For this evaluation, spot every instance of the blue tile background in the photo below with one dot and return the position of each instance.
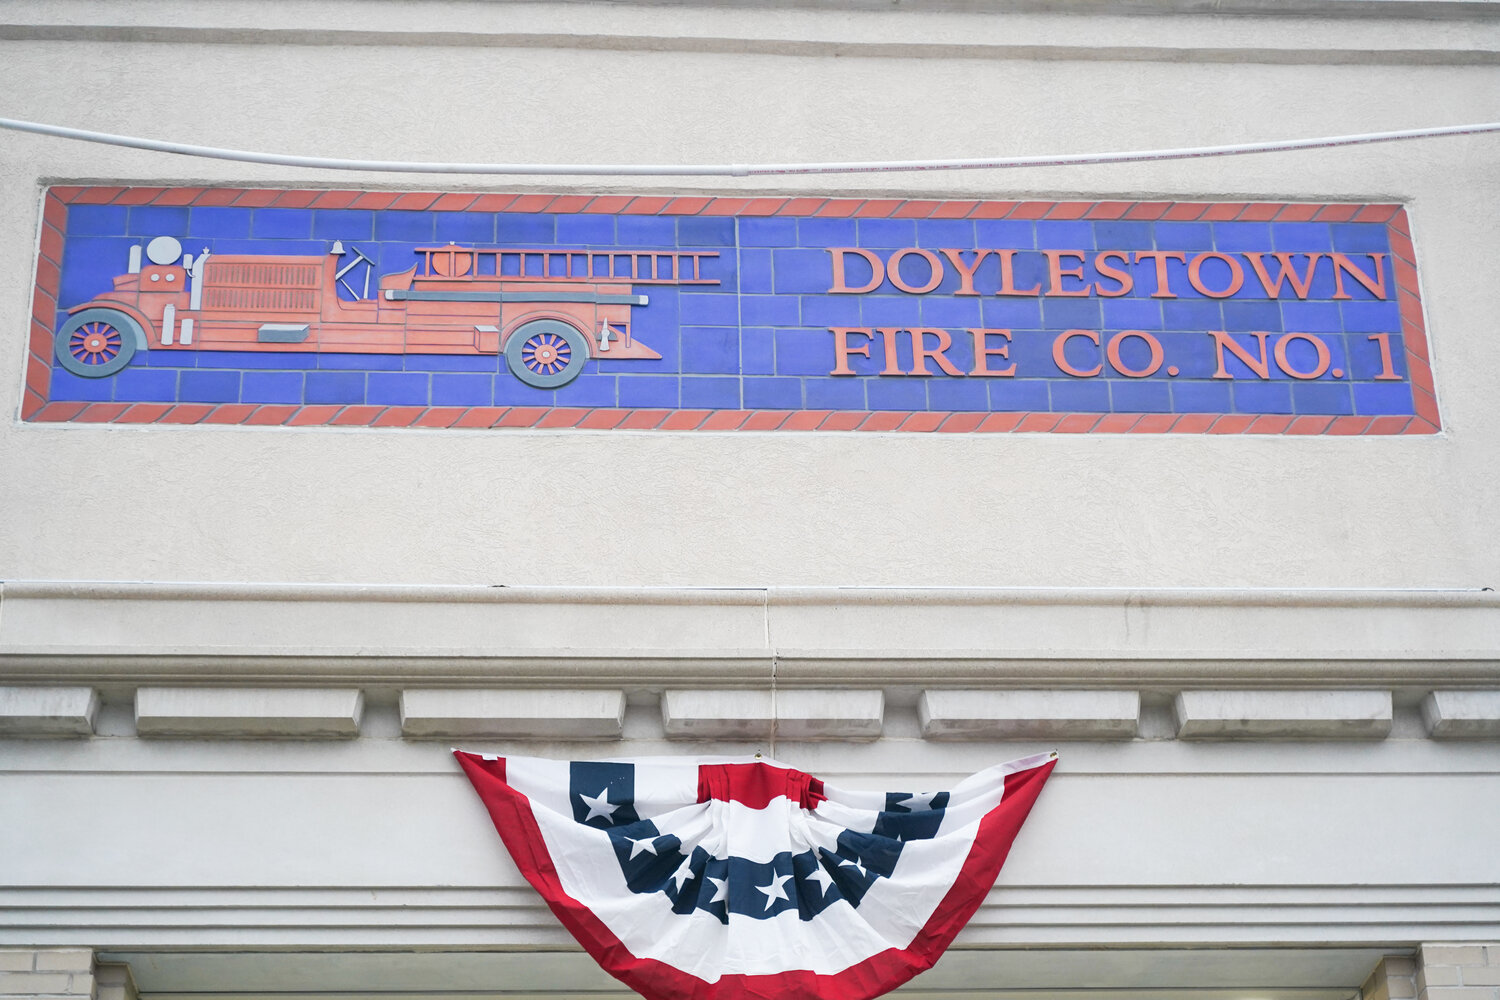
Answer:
(761, 337)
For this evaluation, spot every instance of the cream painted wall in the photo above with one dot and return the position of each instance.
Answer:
(581, 508)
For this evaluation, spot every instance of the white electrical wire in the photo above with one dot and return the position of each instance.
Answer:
(741, 170)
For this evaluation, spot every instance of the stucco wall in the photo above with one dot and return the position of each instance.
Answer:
(709, 509)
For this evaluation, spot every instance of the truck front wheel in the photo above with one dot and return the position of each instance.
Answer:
(97, 342)
(546, 353)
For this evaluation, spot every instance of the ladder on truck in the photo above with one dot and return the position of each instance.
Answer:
(639, 267)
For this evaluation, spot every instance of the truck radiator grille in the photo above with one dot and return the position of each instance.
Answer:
(261, 287)
(263, 275)
(261, 299)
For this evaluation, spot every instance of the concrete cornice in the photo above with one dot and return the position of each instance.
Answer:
(736, 637)
(1323, 31)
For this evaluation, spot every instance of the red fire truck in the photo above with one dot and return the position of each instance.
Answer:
(547, 310)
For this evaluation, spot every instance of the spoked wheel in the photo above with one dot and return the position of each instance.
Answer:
(546, 353)
(97, 342)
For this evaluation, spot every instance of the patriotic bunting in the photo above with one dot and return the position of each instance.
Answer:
(693, 879)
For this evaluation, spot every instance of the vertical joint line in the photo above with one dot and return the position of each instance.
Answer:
(771, 647)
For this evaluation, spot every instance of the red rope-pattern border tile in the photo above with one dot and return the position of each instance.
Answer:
(36, 407)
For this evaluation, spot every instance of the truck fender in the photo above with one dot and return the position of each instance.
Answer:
(143, 340)
(588, 335)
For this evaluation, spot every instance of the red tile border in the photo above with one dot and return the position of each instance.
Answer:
(609, 204)
(59, 411)
(643, 420)
(493, 203)
(561, 416)
(961, 423)
(1297, 213)
(640, 206)
(1269, 423)
(998, 423)
(1232, 423)
(1349, 425)
(805, 420)
(257, 198)
(603, 420)
(1040, 422)
(1077, 423)
(1154, 423)
(277, 414)
(481, 416)
(1116, 423)
(143, 413)
(35, 406)
(801, 206)
(842, 421)
(138, 196)
(357, 416)
(684, 420)
(335, 199)
(1310, 425)
(1260, 212)
(1184, 212)
(309, 415)
(454, 202)
(686, 206)
(839, 208)
(1107, 210)
(915, 209)
(440, 416)
(1064, 211)
(1336, 213)
(726, 206)
(400, 416)
(95, 195)
(1030, 210)
(1193, 423)
(765, 420)
(522, 416)
(993, 209)
(924, 422)
(101, 413)
(885, 420)
(216, 196)
(229, 413)
(570, 203)
(187, 413)
(295, 199)
(725, 420)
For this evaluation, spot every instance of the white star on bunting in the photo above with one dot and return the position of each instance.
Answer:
(855, 864)
(820, 875)
(775, 890)
(599, 805)
(646, 845)
(721, 889)
(682, 875)
(919, 802)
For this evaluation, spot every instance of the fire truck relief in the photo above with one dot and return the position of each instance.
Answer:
(548, 310)
(298, 307)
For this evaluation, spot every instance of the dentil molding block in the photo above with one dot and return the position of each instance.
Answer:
(1062, 715)
(1283, 714)
(803, 714)
(303, 713)
(1457, 715)
(48, 711)
(521, 714)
